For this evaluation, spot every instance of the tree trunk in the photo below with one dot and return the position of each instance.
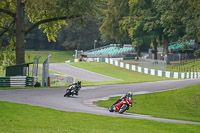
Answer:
(20, 33)
(165, 50)
(196, 44)
(138, 51)
(155, 49)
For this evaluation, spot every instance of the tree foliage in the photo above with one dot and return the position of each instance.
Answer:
(37, 40)
(197, 53)
(156, 21)
(114, 14)
(80, 37)
(46, 14)
(142, 24)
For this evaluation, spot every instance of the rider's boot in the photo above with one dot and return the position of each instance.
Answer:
(76, 93)
(114, 108)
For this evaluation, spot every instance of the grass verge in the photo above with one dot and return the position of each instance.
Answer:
(126, 76)
(182, 104)
(184, 66)
(2, 73)
(56, 56)
(24, 118)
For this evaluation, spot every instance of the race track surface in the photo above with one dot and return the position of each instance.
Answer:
(53, 97)
(79, 73)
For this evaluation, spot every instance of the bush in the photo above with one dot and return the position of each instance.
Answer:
(197, 53)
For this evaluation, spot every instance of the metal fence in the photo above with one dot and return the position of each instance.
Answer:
(153, 64)
(35, 66)
(57, 80)
(45, 72)
(180, 56)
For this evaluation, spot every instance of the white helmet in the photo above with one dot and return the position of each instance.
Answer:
(129, 94)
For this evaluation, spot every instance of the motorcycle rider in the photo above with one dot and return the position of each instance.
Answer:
(77, 87)
(128, 94)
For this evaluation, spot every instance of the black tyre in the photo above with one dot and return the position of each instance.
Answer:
(67, 93)
(111, 109)
(123, 108)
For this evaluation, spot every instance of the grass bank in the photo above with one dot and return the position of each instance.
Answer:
(182, 104)
(56, 56)
(192, 65)
(25, 118)
(2, 73)
(126, 76)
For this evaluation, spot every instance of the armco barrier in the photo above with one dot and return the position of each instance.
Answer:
(184, 75)
(16, 81)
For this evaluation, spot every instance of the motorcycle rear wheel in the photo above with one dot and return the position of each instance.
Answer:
(123, 108)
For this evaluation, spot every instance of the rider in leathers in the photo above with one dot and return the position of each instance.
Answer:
(128, 94)
(77, 87)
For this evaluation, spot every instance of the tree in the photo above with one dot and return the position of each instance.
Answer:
(197, 53)
(135, 30)
(158, 21)
(106, 39)
(37, 40)
(142, 25)
(190, 17)
(114, 14)
(171, 13)
(46, 14)
(79, 37)
(180, 20)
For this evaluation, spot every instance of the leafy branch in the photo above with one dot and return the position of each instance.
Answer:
(8, 29)
(8, 12)
(46, 21)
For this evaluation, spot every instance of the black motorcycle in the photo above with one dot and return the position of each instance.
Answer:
(71, 91)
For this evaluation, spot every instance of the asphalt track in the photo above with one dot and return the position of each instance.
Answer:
(53, 97)
(79, 73)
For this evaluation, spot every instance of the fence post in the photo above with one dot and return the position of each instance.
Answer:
(45, 72)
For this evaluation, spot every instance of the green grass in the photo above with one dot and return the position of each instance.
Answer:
(184, 66)
(31, 119)
(126, 76)
(183, 104)
(56, 56)
(2, 73)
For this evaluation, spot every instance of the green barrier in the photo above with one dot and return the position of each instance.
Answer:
(17, 81)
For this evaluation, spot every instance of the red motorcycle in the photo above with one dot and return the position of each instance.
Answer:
(122, 106)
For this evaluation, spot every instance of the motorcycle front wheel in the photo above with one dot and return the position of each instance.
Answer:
(111, 108)
(123, 108)
(67, 93)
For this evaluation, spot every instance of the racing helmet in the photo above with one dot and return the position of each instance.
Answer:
(79, 82)
(129, 94)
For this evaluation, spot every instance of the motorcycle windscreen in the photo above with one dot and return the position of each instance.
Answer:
(130, 99)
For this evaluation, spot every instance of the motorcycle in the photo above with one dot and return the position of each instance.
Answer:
(70, 91)
(122, 106)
